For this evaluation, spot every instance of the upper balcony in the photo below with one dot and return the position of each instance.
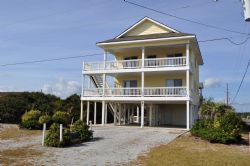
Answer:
(136, 65)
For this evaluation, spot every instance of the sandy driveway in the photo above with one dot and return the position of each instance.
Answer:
(111, 146)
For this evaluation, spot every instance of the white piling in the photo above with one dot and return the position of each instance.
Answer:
(44, 129)
(90, 125)
(61, 132)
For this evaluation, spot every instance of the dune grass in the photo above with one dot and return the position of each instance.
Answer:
(188, 150)
(14, 132)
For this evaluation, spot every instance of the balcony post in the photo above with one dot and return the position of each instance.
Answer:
(120, 111)
(187, 71)
(115, 113)
(104, 59)
(81, 117)
(150, 114)
(103, 112)
(82, 80)
(137, 114)
(142, 74)
(142, 114)
(87, 113)
(94, 113)
(188, 54)
(106, 112)
(142, 57)
(187, 115)
(124, 114)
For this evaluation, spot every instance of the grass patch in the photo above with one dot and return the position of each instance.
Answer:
(14, 132)
(19, 156)
(188, 150)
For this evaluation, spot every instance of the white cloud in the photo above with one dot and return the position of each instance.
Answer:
(212, 83)
(62, 88)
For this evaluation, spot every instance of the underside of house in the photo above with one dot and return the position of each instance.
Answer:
(152, 78)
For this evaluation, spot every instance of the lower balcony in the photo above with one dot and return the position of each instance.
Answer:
(137, 92)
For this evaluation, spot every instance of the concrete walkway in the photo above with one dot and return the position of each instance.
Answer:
(111, 146)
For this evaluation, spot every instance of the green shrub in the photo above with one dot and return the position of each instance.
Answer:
(53, 137)
(30, 120)
(61, 117)
(31, 115)
(226, 129)
(31, 124)
(83, 130)
(45, 119)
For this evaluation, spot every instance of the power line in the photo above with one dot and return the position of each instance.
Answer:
(48, 60)
(185, 19)
(244, 75)
(228, 39)
(80, 56)
(191, 6)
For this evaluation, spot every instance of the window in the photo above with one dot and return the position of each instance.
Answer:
(131, 63)
(174, 83)
(174, 55)
(150, 62)
(172, 61)
(130, 84)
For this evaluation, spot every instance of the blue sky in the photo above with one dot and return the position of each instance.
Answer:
(41, 29)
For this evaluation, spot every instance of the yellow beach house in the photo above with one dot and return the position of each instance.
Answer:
(153, 79)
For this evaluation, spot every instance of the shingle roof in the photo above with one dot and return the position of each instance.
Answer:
(144, 37)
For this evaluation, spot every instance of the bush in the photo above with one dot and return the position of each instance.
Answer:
(83, 130)
(45, 119)
(226, 129)
(31, 115)
(53, 137)
(61, 118)
(30, 120)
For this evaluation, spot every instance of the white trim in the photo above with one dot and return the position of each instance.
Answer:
(142, 20)
(146, 40)
(181, 68)
(137, 99)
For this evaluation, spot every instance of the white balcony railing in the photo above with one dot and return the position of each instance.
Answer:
(135, 64)
(136, 92)
(166, 91)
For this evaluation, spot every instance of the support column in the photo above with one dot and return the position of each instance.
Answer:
(120, 111)
(142, 74)
(150, 114)
(142, 114)
(94, 113)
(129, 114)
(115, 114)
(187, 115)
(187, 71)
(137, 114)
(87, 113)
(81, 116)
(124, 114)
(103, 112)
(106, 112)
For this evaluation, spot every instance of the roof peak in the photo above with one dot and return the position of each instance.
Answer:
(146, 18)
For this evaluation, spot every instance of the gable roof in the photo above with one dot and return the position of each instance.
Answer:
(142, 21)
(145, 37)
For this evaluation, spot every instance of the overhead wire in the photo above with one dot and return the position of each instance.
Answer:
(184, 19)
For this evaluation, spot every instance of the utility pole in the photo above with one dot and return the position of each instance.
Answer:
(227, 97)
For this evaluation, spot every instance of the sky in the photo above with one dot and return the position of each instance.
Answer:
(43, 29)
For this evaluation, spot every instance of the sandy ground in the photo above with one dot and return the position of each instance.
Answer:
(110, 146)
